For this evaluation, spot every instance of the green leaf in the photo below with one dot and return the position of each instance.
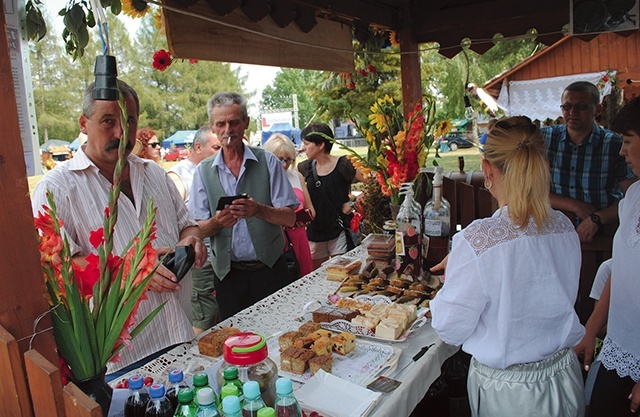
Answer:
(116, 7)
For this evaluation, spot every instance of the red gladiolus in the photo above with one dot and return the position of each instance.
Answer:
(372, 69)
(161, 60)
(363, 72)
(355, 222)
(193, 61)
(51, 243)
(351, 86)
(96, 237)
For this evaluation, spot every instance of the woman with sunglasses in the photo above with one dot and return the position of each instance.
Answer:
(511, 283)
(149, 144)
(282, 147)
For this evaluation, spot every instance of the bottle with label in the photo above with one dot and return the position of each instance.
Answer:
(207, 403)
(176, 383)
(136, 403)
(231, 378)
(436, 226)
(408, 237)
(252, 399)
(158, 405)
(231, 406)
(286, 403)
(185, 408)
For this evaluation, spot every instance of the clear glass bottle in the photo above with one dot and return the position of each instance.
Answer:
(176, 383)
(436, 226)
(252, 400)
(136, 403)
(186, 407)
(231, 406)
(286, 403)
(158, 405)
(207, 403)
(408, 237)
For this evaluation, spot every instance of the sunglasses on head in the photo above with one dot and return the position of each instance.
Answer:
(577, 106)
(154, 144)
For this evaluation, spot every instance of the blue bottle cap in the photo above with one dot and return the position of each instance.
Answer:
(156, 390)
(176, 375)
(284, 386)
(231, 405)
(136, 382)
(251, 390)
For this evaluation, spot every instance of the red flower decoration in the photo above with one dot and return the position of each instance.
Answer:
(193, 61)
(351, 86)
(372, 69)
(363, 72)
(161, 60)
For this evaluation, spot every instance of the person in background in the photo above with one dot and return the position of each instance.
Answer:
(513, 313)
(331, 197)
(246, 236)
(282, 147)
(490, 125)
(81, 192)
(149, 144)
(588, 176)
(203, 300)
(616, 391)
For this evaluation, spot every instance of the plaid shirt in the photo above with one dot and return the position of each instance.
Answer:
(590, 171)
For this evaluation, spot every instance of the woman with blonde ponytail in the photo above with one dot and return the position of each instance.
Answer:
(511, 283)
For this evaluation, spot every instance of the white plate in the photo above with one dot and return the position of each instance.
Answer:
(359, 366)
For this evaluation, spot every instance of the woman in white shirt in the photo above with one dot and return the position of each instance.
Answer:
(616, 391)
(511, 283)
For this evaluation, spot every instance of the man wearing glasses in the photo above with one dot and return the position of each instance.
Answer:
(588, 175)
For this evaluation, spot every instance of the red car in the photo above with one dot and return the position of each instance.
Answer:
(176, 154)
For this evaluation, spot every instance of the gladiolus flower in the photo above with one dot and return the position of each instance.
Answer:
(372, 69)
(162, 60)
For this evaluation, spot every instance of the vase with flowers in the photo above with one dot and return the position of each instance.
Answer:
(93, 307)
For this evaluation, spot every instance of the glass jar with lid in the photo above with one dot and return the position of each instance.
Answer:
(249, 353)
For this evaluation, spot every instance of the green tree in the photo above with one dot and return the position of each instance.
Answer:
(290, 81)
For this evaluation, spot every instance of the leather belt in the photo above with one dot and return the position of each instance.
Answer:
(248, 265)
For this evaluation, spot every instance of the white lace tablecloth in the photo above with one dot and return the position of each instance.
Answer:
(282, 311)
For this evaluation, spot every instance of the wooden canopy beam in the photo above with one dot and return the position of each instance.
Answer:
(409, 63)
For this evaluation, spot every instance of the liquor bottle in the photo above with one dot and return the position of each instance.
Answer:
(176, 383)
(286, 403)
(231, 406)
(231, 378)
(436, 226)
(408, 237)
(158, 405)
(185, 408)
(207, 403)
(252, 399)
(136, 403)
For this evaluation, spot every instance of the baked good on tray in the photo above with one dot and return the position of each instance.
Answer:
(323, 346)
(287, 339)
(344, 343)
(295, 360)
(309, 327)
(327, 314)
(324, 362)
(342, 268)
(211, 344)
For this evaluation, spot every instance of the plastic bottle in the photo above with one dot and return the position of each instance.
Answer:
(186, 407)
(227, 391)
(159, 405)
(437, 224)
(176, 382)
(286, 403)
(136, 403)
(266, 412)
(207, 403)
(200, 381)
(231, 378)
(252, 399)
(408, 237)
(231, 406)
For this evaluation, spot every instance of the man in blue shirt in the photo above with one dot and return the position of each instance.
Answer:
(588, 175)
(246, 236)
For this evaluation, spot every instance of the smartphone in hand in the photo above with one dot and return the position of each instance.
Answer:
(226, 200)
(180, 261)
(303, 216)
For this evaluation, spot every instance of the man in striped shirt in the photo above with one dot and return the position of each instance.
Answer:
(81, 192)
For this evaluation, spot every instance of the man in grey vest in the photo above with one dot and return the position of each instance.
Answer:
(246, 235)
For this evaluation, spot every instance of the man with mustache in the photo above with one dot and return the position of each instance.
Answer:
(81, 192)
(246, 236)
(588, 175)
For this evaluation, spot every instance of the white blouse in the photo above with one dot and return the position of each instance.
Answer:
(621, 349)
(509, 293)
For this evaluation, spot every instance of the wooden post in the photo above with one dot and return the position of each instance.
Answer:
(45, 385)
(409, 63)
(14, 398)
(21, 284)
(78, 404)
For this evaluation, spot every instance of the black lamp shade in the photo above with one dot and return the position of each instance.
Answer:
(106, 78)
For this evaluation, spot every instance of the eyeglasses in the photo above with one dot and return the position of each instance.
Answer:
(286, 160)
(577, 106)
(154, 144)
(216, 147)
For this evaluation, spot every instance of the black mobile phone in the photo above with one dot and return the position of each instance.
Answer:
(180, 261)
(226, 200)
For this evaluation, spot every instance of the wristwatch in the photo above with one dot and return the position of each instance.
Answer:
(596, 219)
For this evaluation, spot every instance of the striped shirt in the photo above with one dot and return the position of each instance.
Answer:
(590, 171)
(81, 194)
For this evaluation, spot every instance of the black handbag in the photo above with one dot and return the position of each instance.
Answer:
(293, 266)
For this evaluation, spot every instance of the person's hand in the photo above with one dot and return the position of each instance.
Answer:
(583, 210)
(199, 247)
(587, 230)
(243, 208)
(585, 350)
(225, 218)
(635, 397)
(164, 280)
(440, 268)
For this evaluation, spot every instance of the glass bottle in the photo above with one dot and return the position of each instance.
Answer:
(207, 403)
(186, 407)
(286, 403)
(159, 405)
(252, 399)
(408, 237)
(231, 378)
(136, 403)
(266, 412)
(231, 406)
(437, 224)
(176, 383)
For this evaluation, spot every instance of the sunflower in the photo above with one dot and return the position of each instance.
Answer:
(157, 18)
(443, 128)
(135, 8)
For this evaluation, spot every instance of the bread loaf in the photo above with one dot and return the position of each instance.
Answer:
(211, 344)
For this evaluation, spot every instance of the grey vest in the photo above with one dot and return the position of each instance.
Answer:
(266, 237)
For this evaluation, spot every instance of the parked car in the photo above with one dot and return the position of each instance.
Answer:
(176, 154)
(456, 140)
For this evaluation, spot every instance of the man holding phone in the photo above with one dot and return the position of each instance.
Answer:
(246, 228)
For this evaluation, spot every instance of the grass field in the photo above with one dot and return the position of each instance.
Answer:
(448, 160)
